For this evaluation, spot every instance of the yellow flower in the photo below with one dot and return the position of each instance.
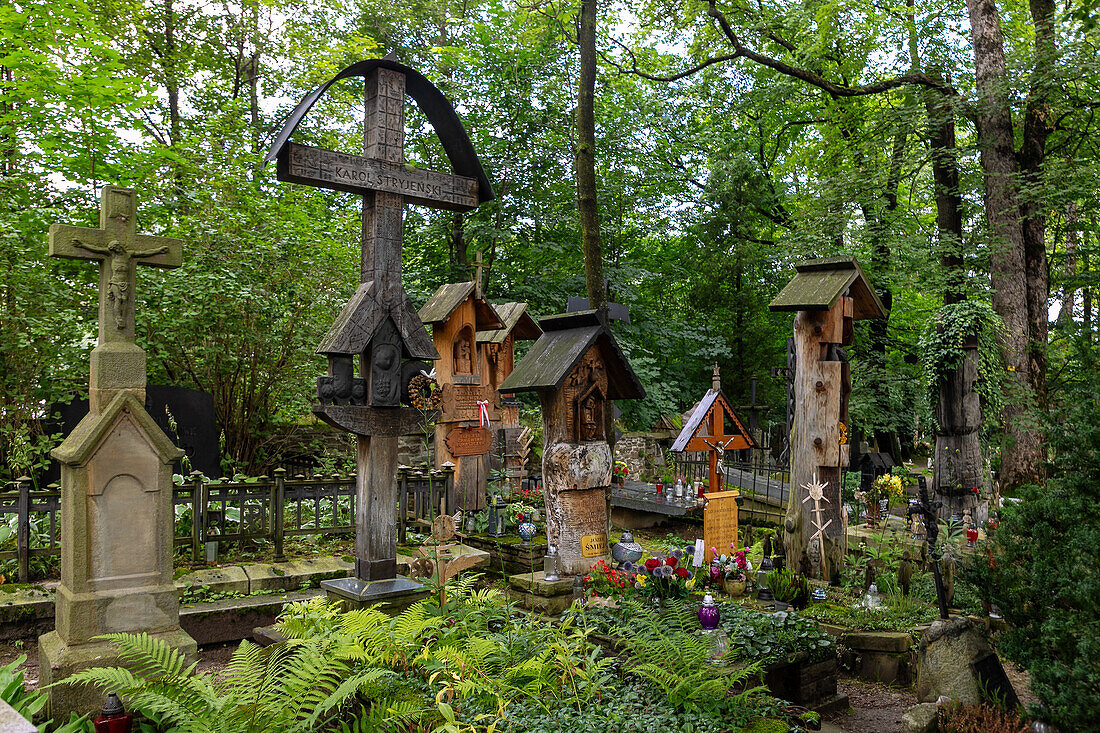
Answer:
(691, 583)
(640, 579)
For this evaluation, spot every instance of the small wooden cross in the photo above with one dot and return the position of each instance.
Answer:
(118, 248)
(816, 490)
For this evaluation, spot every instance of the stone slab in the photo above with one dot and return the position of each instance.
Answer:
(551, 606)
(26, 612)
(233, 619)
(877, 641)
(537, 584)
(394, 594)
(921, 718)
(57, 660)
(232, 579)
(295, 574)
(947, 651)
(13, 722)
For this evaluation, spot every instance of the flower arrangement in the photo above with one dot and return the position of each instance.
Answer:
(619, 472)
(517, 509)
(607, 582)
(657, 577)
(886, 486)
(734, 566)
(530, 497)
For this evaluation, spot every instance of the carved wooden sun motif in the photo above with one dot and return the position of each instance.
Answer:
(815, 489)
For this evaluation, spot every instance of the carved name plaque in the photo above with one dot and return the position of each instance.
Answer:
(469, 441)
(460, 402)
(594, 545)
(357, 174)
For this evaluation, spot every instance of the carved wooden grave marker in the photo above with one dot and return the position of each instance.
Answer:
(116, 475)
(705, 430)
(828, 295)
(379, 328)
(497, 349)
(576, 367)
(456, 312)
(720, 521)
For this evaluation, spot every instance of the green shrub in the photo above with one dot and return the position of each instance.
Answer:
(1044, 573)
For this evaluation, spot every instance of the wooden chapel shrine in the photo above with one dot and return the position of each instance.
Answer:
(471, 404)
(577, 368)
(714, 427)
(827, 296)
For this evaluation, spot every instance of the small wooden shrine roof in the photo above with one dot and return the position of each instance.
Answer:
(355, 326)
(818, 283)
(445, 300)
(516, 321)
(694, 423)
(564, 341)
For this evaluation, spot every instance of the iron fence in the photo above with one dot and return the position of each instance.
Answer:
(268, 508)
(764, 485)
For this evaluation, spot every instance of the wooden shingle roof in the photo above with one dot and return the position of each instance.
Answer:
(818, 283)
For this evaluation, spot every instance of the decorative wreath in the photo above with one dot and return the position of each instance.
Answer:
(424, 393)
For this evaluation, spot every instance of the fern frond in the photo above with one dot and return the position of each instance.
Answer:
(149, 656)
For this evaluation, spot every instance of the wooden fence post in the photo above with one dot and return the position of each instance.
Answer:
(403, 503)
(278, 498)
(23, 529)
(198, 517)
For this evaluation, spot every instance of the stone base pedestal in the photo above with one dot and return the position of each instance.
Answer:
(393, 594)
(533, 592)
(947, 651)
(58, 660)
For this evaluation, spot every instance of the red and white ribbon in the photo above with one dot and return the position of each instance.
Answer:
(483, 413)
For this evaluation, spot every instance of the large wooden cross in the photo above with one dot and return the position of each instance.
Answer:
(380, 176)
(386, 184)
(118, 248)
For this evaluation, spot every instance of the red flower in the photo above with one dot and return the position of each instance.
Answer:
(683, 573)
(671, 562)
(652, 564)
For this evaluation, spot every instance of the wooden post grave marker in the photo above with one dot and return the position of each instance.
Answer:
(379, 328)
(828, 295)
(720, 521)
(577, 368)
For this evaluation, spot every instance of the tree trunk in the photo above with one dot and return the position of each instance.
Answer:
(1069, 269)
(1038, 124)
(1020, 458)
(585, 161)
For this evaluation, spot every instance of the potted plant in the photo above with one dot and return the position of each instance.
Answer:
(789, 589)
(619, 473)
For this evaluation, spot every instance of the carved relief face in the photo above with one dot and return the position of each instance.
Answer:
(385, 370)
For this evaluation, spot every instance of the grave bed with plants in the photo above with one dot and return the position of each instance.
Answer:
(463, 660)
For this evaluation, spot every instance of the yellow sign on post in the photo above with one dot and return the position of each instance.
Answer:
(720, 522)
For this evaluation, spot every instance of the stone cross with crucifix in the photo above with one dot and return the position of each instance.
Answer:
(379, 328)
(117, 362)
(116, 475)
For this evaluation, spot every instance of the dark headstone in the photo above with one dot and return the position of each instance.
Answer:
(193, 411)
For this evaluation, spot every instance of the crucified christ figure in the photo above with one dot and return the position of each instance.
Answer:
(118, 288)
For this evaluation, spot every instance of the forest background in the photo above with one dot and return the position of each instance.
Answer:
(731, 141)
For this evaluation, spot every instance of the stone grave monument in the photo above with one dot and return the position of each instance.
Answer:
(470, 405)
(828, 295)
(379, 329)
(576, 368)
(116, 475)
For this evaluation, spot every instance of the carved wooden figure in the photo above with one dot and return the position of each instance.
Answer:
(379, 328)
(957, 467)
(828, 295)
(471, 407)
(576, 367)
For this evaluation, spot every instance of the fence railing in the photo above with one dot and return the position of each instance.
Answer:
(271, 508)
(764, 485)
